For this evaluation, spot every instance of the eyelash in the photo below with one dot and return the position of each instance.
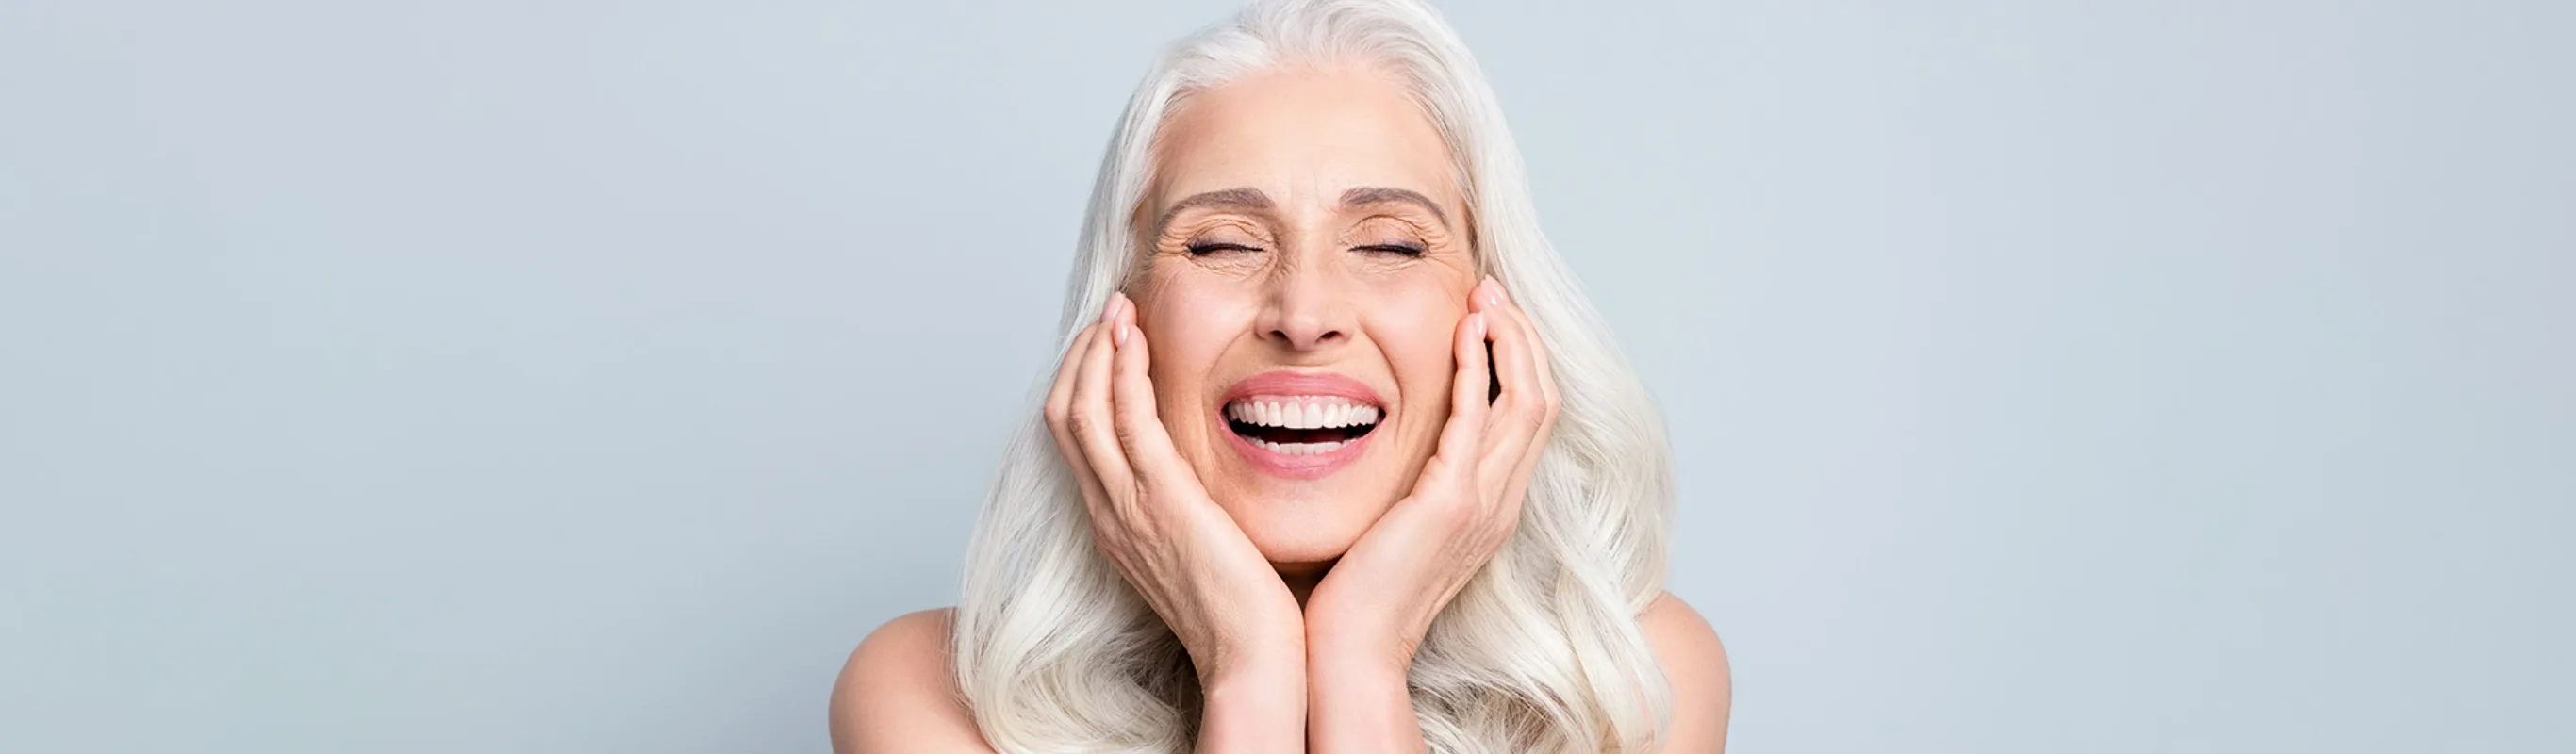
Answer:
(1204, 249)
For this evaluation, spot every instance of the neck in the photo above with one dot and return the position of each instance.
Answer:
(1302, 578)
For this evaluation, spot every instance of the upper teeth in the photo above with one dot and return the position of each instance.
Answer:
(1301, 411)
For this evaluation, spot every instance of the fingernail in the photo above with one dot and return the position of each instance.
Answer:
(1109, 308)
(1118, 337)
(1476, 329)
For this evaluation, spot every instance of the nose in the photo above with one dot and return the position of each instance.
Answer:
(1308, 308)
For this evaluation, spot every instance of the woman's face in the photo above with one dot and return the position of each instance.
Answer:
(1309, 259)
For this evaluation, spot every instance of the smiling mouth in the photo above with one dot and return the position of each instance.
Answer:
(1300, 425)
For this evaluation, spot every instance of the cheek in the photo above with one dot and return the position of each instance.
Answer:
(1190, 325)
(1415, 326)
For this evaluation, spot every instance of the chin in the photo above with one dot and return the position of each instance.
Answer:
(1305, 524)
(1304, 554)
(1292, 535)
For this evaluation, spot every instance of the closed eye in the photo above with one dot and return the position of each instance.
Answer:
(1204, 249)
(1410, 251)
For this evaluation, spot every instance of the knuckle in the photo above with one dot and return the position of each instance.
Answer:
(1463, 508)
(1126, 431)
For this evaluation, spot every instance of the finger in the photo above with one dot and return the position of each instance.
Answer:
(1526, 417)
(1141, 436)
(1537, 347)
(1462, 437)
(1059, 404)
(1549, 405)
(1087, 414)
(1515, 358)
(1517, 415)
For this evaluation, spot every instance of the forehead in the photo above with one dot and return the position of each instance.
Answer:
(1303, 136)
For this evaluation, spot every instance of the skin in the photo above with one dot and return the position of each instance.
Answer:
(1305, 219)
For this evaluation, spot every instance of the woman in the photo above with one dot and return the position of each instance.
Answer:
(1338, 457)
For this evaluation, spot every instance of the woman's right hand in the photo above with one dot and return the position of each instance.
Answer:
(1155, 521)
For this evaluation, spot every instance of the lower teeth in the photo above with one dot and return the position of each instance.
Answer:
(1300, 448)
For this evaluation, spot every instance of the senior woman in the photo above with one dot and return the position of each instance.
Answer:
(1338, 457)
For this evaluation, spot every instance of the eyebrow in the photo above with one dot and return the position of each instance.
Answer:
(1234, 198)
(1249, 198)
(1367, 195)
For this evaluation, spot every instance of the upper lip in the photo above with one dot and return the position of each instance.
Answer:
(1285, 382)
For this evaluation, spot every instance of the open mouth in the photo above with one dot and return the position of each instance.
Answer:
(1300, 425)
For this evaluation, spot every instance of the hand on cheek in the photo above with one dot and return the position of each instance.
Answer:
(1183, 554)
(1372, 610)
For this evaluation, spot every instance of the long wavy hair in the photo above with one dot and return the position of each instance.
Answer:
(1054, 651)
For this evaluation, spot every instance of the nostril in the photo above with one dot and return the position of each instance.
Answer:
(1327, 336)
(1305, 331)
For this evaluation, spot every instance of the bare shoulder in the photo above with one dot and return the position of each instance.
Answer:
(896, 693)
(1695, 664)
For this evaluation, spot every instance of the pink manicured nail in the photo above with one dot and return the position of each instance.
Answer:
(1118, 337)
(1476, 329)
(1126, 317)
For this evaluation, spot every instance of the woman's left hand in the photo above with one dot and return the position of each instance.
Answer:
(1371, 611)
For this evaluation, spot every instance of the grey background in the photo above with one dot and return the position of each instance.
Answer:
(589, 376)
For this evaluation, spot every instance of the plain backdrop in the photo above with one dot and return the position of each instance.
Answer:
(590, 376)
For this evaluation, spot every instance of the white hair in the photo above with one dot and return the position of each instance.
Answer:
(1542, 652)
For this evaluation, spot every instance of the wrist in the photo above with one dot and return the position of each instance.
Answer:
(1334, 665)
(1252, 658)
(1357, 700)
(1357, 646)
(1264, 665)
(1254, 703)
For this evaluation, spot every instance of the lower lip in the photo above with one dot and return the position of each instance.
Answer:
(1279, 464)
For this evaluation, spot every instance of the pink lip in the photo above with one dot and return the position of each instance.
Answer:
(1300, 383)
